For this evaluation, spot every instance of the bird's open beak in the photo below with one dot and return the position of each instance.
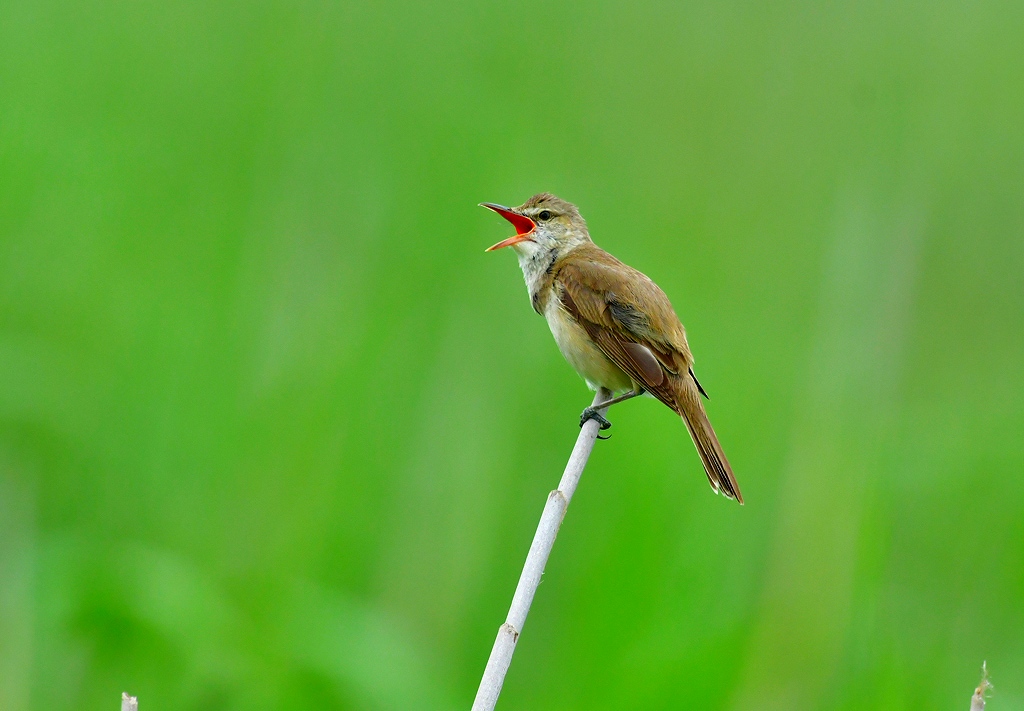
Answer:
(523, 224)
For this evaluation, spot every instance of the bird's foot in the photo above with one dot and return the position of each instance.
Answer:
(592, 414)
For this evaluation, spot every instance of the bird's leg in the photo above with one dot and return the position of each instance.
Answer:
(591, 413)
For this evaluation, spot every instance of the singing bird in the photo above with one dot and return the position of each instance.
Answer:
(612, 323)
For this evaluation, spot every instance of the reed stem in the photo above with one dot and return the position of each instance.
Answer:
(550, 520)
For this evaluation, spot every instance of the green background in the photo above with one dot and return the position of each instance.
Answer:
(275, 432)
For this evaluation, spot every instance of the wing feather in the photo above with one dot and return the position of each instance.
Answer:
(633, 323)
(628, 316)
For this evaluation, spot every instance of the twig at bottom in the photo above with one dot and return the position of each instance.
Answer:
(978, 700)
(533, 569)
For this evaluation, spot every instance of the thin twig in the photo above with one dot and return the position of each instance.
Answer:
(978, 700)
(540, 549)
(129, 703)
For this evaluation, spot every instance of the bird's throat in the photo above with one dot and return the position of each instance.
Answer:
(537, 263)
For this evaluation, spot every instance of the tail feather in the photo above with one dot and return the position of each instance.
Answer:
(716, 466)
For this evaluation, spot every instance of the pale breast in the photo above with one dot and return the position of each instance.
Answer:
(580, 351)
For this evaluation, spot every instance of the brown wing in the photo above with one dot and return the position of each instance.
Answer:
(633, 323)
(629, 318)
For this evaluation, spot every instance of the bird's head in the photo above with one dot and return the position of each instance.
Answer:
(544, 223)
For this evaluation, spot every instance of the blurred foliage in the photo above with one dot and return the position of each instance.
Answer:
(275, 432)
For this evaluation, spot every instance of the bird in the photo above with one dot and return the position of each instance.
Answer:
(613, 324)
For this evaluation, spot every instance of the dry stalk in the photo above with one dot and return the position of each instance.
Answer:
(978, 700)
(540, 549)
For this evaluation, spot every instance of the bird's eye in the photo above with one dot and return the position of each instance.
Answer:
(544, 215)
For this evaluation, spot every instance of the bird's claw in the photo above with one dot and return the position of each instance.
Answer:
(592, 414)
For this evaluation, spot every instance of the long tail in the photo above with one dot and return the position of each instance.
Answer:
(716, 466)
